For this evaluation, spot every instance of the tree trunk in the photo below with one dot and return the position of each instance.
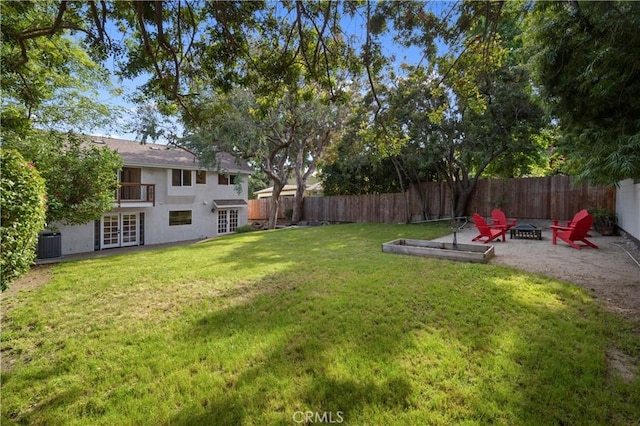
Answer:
(301, 185)
(424, 208)
(275, 204)
(462, 192)
(462, 199)
(298, 201)
(407, 215)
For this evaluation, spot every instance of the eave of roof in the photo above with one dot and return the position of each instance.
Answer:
(229, 203)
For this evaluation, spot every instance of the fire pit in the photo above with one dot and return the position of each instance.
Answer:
(527, 231)
(451, 251)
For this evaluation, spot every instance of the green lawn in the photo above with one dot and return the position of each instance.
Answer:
(260, 328)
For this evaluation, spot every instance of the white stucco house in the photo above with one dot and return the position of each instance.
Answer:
(165, 195)
(628, 207)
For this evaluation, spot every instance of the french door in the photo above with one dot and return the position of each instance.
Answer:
(120, 230)
(227, 221)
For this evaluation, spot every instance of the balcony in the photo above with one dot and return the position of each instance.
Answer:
(136, 195)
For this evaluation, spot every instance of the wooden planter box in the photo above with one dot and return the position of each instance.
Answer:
(464, 252)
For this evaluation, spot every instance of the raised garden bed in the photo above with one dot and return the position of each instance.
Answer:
(462, 252)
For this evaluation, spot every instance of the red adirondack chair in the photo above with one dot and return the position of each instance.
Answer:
(582, 213)
(501, 221)
(578, 231)
(487, 231)
(576, 217)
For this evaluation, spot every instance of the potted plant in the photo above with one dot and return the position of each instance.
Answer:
(604, 221)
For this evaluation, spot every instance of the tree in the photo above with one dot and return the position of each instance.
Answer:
(236, 123)
(174, 44)
(258, 180)
(280, 135)
(348, 171)
(81, 177)
(433, 118)
(471, 107)
(48, 78)
(292, 76)
(22, 208)
(354, 165)
(318, 122)
(586, 61)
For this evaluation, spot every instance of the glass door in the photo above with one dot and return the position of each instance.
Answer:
(110, 231)
(227, 221)
(233, 220)
(223, 224)
(120, 230)
(129, 229)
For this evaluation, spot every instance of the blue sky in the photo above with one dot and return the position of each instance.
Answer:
(354, 27)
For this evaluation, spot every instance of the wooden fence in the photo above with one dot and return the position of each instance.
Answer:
(555, 197)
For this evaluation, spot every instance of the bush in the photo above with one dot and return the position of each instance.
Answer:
(288, 214)
(244, 228)
(604, 221)
(22, 209)
(81, 177)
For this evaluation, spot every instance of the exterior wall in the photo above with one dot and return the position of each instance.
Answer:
(230, 192)
(76, 238)
(197, 198)
(628, 207)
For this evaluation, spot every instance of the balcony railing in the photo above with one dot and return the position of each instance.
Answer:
(136, 193)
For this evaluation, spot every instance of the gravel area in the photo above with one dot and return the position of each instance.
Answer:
(612, 272)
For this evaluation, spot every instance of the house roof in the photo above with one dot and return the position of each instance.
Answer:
(314, 187)
(269, 190)
(156, 155)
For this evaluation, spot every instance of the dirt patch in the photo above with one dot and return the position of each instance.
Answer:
(621, 365)
(609, 272)
(37, 276)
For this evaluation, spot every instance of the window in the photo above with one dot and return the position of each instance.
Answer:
(180, 177)
(179, 217)
(201, 177)
(224, 179)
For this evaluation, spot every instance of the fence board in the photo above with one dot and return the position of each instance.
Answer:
(554, 197)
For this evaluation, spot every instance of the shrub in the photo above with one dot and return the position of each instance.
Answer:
(244, 228)
(288, 214)
(22, 209)
(604, 221)
(81, 177)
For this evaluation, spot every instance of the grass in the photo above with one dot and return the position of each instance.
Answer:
(261, 328)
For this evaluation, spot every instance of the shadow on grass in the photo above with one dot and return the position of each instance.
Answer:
(329, 324)
(319, 351)
(347, 345)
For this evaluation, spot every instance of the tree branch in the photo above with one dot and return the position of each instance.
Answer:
(96, 19)
(367, 63)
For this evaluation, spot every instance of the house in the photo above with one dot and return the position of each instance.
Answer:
(628, 208)
(164, 195)
(312, 190)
